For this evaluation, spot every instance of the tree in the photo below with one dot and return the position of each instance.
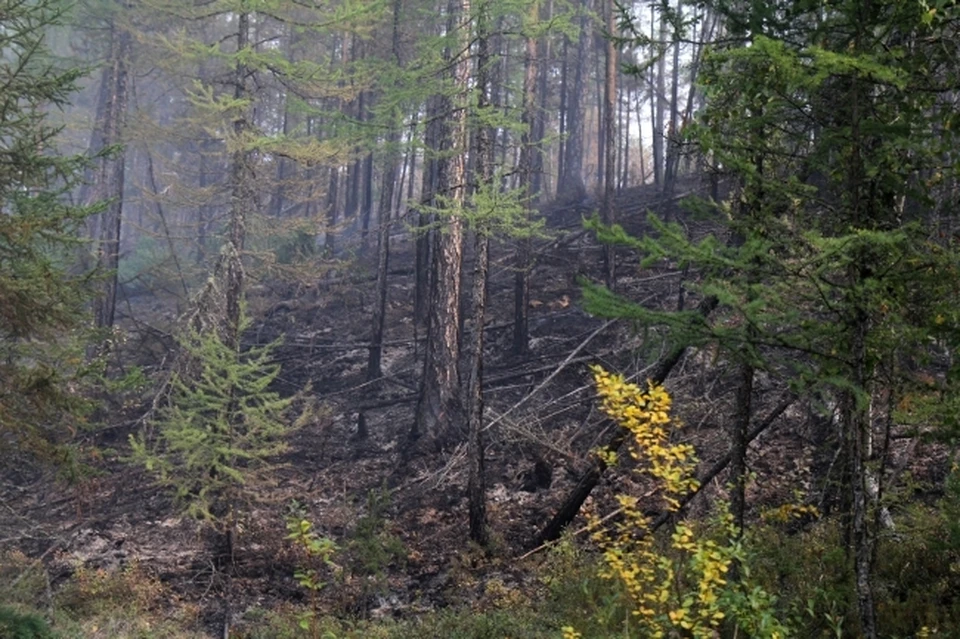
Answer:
(41, 300)
(219, 430)
(817, 282)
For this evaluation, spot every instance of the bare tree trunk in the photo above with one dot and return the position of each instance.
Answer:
(476, 481)
(109, 178)
(673, 135)
(610, 135)
(383, 257)
(433, 168)
(529, 151)
(571, 185)
(333, 192)
(658, 102)
(439, 408)
(384, 218)
(242, 193)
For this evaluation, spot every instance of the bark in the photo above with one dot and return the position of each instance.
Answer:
(476, 481)
(433, 168)
(109, 177)
(476, 484)
(659, 103)
(562, 122)
(570, 186)
(242, 194)
(609, 215)
(383, 258)
(529, 153)
(673, 135)
(439, 409)
(366, 202)
(333, 192)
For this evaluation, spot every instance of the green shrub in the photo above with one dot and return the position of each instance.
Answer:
(16, 625)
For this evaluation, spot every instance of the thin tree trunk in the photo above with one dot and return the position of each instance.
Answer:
(529, 149)
(673, 136)
(659, 100)
(109, 180)
(610, 135)
(571, 185)
(476, 481)
(383, 257)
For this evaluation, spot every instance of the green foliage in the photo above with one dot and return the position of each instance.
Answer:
(15, 625)
(41, 300)
(221, 427)
(372, 546)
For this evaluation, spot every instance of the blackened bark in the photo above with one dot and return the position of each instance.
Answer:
(109, 178)
(383, 258)
(609, 215)
(333, 192)
(529, 161)
(571, 185)
(476, 481)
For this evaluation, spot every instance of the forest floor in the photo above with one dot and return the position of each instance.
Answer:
(402, 526)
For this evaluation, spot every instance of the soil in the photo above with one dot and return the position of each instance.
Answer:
(538, 444)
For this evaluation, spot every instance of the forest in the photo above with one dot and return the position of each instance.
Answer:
(479, 319)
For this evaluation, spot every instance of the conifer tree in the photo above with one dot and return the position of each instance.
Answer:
(829, 132)
(41, 301)
(220, 428)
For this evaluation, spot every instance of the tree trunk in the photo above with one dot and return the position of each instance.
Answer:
(439, 409)
(383, 257)
(659, 101)
(476, 481)
(529, 150)
(570, 186)
(610, 135)
(242, 194)
(673, 135)
(109, 178)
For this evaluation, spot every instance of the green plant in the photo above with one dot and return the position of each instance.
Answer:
(318, 552)
(372, 546)
(16, 625)
(221, 427)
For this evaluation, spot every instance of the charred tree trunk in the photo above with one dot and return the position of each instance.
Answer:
(439, 409)
(529, 153)
(570, 185)
(109, 178)
(610, 135)
(383, 257)
(476, 481)
(433, 168)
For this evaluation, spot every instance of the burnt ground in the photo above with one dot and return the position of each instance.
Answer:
(402, 527)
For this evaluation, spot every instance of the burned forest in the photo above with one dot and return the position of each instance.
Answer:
(479, 319)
